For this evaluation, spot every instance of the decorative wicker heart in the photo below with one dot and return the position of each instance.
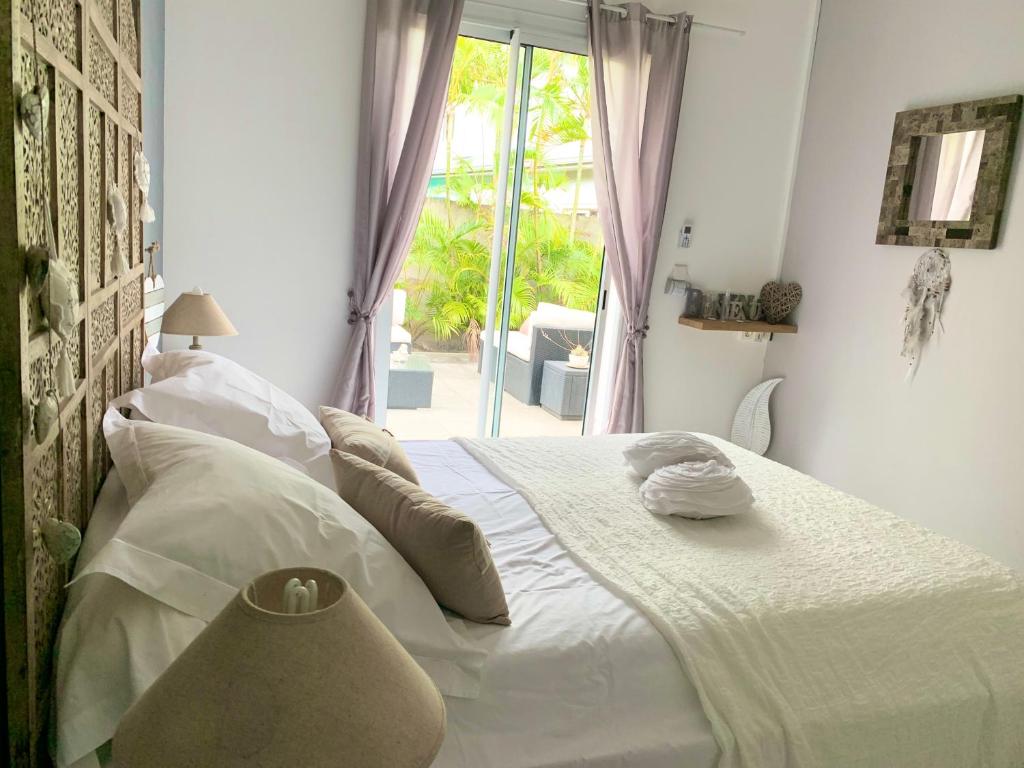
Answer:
(778, 300)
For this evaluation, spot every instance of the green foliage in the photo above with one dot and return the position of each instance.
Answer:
(445, 278)
(446, 274)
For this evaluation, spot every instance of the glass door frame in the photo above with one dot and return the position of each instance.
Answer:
(513, 239)
(493, 360)
(521, 42)
(490, 355)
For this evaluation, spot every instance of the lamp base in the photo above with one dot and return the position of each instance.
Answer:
(195, 343)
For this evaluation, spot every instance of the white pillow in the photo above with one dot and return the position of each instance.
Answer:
(660, 449)
(696, 489)
(209, 515)
(209, 393)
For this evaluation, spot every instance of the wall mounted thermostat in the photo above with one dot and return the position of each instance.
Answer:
(685, 235)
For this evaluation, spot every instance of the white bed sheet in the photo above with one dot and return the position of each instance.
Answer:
(580, 679)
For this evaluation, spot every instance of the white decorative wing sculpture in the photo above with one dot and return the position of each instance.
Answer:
(752, 426)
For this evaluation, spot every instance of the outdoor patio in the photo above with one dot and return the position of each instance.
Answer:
(453, 409)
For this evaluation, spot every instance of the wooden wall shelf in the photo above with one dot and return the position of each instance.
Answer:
(749, 326)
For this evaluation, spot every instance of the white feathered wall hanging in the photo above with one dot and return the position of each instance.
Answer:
(926, 294)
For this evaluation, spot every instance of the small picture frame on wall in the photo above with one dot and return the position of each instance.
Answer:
(949, 169)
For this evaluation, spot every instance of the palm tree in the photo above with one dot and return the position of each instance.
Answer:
(579, 95)
(445, 277)
(446, 274)
(476, 84)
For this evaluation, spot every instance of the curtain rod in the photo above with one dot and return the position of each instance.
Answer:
(622, 11)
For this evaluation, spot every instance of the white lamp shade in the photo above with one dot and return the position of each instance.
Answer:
(332, 687)
(196, 314)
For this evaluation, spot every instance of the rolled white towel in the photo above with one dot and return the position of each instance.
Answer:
(696, 489)
(661, 449)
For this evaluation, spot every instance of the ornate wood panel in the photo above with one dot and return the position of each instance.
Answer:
(88, 54)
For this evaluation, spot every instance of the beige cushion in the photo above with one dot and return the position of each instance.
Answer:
(445, 547)
(354, 434)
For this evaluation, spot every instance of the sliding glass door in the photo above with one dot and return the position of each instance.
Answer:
(493, 316)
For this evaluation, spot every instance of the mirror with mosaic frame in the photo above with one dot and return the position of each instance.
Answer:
(948, 173)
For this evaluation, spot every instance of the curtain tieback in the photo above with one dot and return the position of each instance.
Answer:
(354, 312)
(634, 333)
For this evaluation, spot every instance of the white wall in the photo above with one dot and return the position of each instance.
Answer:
(732, 175)
(261, 133)
(946, 449)
(261, 136)
(153, 112)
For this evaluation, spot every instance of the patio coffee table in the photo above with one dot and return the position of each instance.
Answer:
(563, 389)
(410, 384)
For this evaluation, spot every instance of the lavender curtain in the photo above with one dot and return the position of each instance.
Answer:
(637, 66)
(407, 58)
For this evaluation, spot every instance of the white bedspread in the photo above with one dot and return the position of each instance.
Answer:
(581, 679)
(818, 630)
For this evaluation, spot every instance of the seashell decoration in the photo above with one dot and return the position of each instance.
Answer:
(64, 374)
(37, 267)
(61, 539)
(45, 415)
(117, 215)
(34, 109)
(117, 210)
(63, 299)
(142, 177)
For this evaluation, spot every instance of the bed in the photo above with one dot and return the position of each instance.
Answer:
(816, 630)
(580, 678)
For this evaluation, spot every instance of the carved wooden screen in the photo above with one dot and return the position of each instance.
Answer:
(89, 55)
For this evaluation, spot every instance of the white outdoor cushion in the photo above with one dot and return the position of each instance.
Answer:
(400, 336)
(660, 449)
(557, 316)
(549, 315)
(519, 345)
(199, 390)
(209, 515)
(399, 297)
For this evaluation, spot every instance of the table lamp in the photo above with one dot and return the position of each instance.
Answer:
(295, 671)
(196, 314)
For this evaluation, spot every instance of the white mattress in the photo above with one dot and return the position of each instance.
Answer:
(581, 678)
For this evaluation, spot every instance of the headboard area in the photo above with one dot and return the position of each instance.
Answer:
(53, 457)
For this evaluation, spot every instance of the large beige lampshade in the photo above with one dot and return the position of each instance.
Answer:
(196, 314)
(259, 687)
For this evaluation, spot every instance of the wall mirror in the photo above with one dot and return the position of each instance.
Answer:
(949, 168)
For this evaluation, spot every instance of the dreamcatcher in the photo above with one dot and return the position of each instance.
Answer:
(925, 294)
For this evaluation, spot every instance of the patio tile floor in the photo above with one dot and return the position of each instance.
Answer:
(453, 411)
